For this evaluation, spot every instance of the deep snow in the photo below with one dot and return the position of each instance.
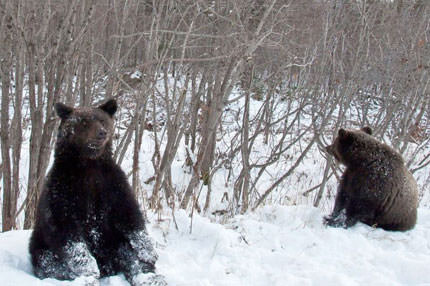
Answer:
(275, 245)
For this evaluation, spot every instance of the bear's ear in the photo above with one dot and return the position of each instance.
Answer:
(345, 135)
(109, 107)
(63, 111)
(342, 133)
(367, 130)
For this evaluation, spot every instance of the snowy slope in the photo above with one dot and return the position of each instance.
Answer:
(276, 245)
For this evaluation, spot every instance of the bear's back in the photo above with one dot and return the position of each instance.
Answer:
(399, 211)
(380, 189)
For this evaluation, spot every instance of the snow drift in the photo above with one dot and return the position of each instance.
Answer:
(276, 245)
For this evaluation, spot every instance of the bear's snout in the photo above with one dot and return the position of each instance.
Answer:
(331, 150)
(101, 134)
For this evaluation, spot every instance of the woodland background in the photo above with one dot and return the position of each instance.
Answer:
(189, 75)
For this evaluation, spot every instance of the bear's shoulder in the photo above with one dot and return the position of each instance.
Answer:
(360, 148)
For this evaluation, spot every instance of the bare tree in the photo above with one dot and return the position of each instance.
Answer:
(8, 215)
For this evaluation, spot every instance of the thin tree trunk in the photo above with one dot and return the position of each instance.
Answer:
(7, 215)
(17, 129)
(138, 134)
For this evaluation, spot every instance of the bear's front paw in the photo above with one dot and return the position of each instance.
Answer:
(329, 220)
(79, 261)
(148, 279)
(336, 220)
(141, 243)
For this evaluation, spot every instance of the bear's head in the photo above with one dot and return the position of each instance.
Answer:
(86, 131)
(353, 146)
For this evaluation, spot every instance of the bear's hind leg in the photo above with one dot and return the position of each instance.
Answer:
(71, 262)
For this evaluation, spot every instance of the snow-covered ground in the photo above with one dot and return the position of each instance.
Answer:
(276, 245)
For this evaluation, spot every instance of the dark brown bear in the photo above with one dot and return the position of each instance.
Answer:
(376, 187)
(88, 223)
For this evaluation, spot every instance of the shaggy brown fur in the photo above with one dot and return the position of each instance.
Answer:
(376, 187)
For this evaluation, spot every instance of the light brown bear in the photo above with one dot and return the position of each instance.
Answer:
(376, 187)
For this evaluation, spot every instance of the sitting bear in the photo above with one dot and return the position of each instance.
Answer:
(88, 223)
(376, 187)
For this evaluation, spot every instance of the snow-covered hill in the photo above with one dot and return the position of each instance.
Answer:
(276, 245)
